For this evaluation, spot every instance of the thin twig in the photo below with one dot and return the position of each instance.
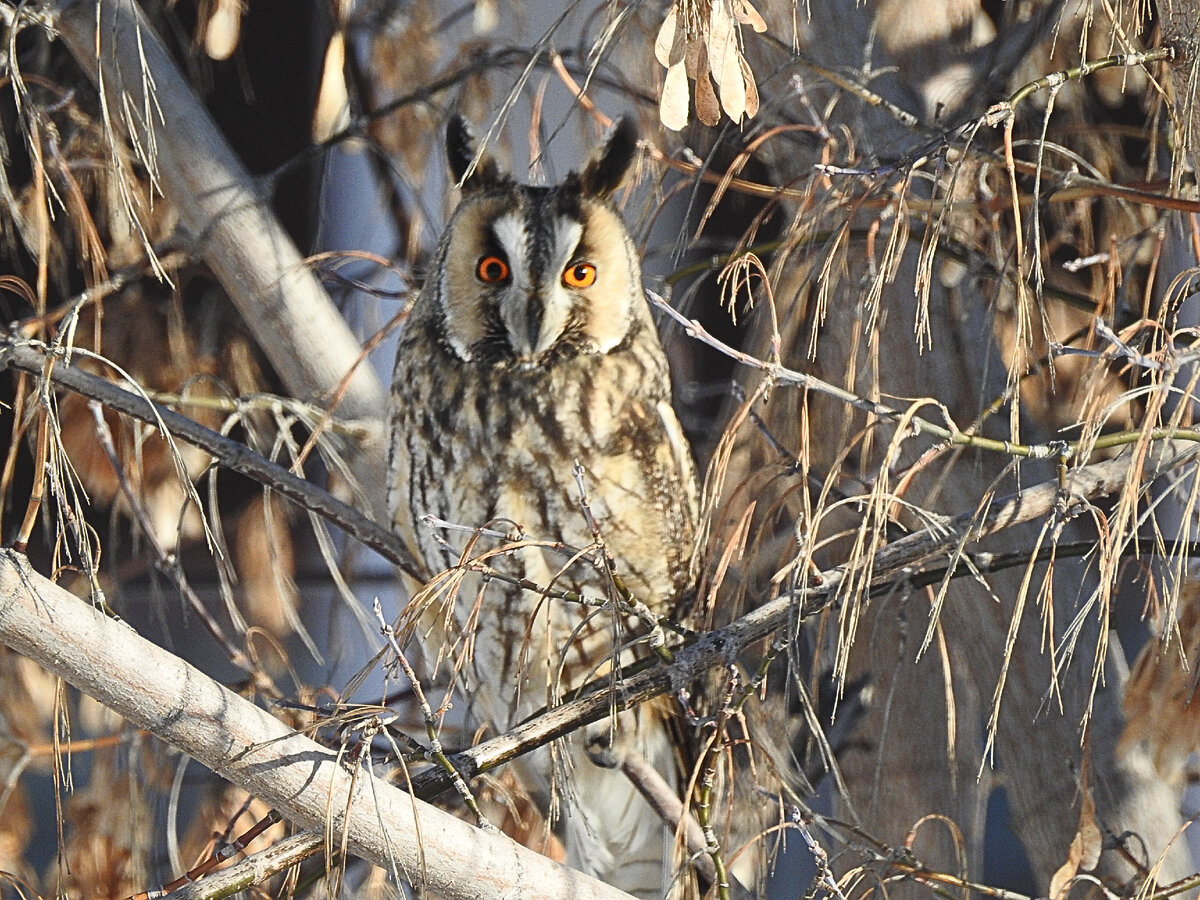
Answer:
(218, 856)
(168, 564)
(30, 357)
(892, 563)
(436, 752)
(713, 746)
(662, 798)
(951, 434)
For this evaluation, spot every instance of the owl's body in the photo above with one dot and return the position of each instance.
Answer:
(531, 349)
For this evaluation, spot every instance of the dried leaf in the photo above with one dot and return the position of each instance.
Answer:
(673, 107)
(746, 14)
(333, 99)
(722, 34)
(708, 110)
(224, 29)
(751, 89)
(724, 59)
(669, 45)
(1084, 852)
(733, 88)
(695, 59)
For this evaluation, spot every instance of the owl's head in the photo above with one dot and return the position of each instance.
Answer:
(527, 275)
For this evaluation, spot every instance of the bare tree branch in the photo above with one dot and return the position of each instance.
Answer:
(241, 742)
(890, 564)
(283, 304)
(31, 357)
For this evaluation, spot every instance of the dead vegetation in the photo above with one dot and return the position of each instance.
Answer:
(936, 268)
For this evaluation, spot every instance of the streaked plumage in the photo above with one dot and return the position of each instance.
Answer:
(532, 348)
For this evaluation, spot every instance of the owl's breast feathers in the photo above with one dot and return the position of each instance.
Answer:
(479, 441)
(529, 352)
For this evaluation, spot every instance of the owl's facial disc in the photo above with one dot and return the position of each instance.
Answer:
(535, 307)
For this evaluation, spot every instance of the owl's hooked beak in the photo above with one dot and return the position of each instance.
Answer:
(534, 321)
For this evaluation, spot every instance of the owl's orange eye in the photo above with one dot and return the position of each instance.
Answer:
(492, 270)
(580, 275)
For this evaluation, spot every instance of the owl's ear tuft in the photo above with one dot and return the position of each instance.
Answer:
(460, 150)
(608, 167)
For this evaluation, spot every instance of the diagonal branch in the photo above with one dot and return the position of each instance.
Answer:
(241, 742)
(30, 357)
(220, 205)
(891, 563)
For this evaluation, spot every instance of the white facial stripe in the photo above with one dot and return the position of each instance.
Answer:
(509, 230)
(567, 233)
(556, 299)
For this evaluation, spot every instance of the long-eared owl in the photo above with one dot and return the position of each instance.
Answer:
(532, 410)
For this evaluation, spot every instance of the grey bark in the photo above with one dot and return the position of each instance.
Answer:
(220, 205)
(241, 742)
